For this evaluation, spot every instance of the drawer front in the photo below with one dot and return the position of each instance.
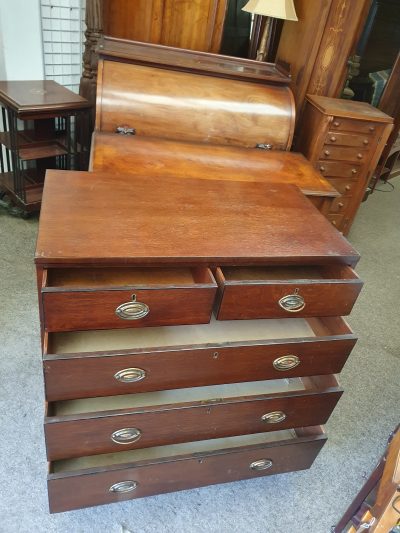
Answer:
(109, 374)
(248, 299)
(340, 205)
(358, 126)
(345, 187)
(344, 153)
(111, 484)
(349, 139)
(338, 169)
(178, 423)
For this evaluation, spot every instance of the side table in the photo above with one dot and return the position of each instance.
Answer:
(45, 126)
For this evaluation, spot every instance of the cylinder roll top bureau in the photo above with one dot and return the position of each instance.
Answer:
(192, 331)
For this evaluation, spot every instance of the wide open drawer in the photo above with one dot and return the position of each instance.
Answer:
(102, 425)
(102, 479)
(101, 298)
(271, 292)
(110, 362)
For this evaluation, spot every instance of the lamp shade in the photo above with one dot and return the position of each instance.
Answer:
(279, 9)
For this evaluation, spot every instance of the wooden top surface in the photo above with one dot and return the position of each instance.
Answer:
(135, 155)
(97, 218)
(169, 57)
(35, 95)
(348, 109)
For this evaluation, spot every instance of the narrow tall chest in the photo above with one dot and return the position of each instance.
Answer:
(192, 331)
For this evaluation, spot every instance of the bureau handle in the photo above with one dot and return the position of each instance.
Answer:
(286, 362)
(274, 417)
(354, 171)
(126, 435)
(132, 310)
(261, 464)
(123, 486)
(130, 375)
(293, 303)
(333, 139)
(359, 156)
(327, 152)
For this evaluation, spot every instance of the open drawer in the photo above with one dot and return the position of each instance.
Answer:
(110, 478)
(283, 291)
(74, 428)
(125, 297)
(83, 364)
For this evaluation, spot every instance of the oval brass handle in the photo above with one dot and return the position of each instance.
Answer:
(274, 417)
(359, 156)
(126, 435)
(336, 124)
(333, 139)
(130, 375)
(365, 141)
(123, 486)
(286, 362)
(261, 464)
(132, 310)
(354, 171)
(327, 152)
(322, 169)
(293, 303)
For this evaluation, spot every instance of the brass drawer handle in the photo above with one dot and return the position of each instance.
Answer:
(261, 464)
(359, 156)
(126, 435)
(293, 303)
(123, 486)
(130, 375)
(274, 417)
(286, 362)
(132, 310)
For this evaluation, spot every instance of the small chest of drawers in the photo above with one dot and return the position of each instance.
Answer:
(344, 140)
(187, 343)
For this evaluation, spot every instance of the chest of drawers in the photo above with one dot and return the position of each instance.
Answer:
(190, 337)
(344, 140)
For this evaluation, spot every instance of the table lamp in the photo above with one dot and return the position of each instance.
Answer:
(280, 9)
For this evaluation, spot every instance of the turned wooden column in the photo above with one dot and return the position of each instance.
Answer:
(93, 33)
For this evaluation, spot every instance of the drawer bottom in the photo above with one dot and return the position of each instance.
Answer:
(110, 478)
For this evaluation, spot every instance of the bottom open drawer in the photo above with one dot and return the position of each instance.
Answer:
(101, 479)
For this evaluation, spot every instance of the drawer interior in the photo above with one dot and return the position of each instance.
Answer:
(174, 396)
(174, 450)
(215, 332)
(286, 273)
(97, 277)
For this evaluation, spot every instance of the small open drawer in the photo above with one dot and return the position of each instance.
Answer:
(92, 426)
(125, 297)
(82, 364)
(284, 291)
(110, 478)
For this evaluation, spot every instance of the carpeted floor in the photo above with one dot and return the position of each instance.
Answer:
(309, 501)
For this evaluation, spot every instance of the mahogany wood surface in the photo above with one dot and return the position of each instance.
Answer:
(89, 374)
(192, 107)
(173, 220)
(90, 433)
(135, 155)
(76, 489)
(240, 299)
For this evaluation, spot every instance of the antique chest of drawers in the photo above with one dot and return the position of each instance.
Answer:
(344, 140)
(191, 332)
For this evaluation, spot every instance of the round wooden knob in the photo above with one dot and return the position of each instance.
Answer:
(372, 128)
(365, 141)
(336, 124)
(322, 169)
(347, 188)
(333, 139)
(354, 171)
(340, 205)
(327, 152)
(334, 222)
(359, 156)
